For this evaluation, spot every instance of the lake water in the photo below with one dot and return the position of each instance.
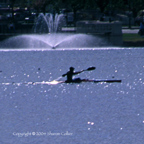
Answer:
(86, 113)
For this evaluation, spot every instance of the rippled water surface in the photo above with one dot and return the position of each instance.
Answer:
(86, 113)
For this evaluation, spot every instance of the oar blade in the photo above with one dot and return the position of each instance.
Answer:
(91, 68)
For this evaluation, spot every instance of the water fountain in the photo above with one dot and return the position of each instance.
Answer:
(47, 35)
(48, 23)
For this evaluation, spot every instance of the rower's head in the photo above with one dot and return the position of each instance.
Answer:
(71, 68)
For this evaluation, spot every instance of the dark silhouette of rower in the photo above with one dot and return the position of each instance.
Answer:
(70, 74)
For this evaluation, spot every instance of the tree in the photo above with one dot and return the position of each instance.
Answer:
(76, 5)
(12, 2)
(102, 4)
(136, 6)
(40, 5)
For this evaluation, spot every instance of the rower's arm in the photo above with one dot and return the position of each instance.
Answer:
(75, 73)
(64, 75)
(78, 72)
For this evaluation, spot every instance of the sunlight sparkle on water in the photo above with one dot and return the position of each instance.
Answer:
(90, 123)
(95, 112)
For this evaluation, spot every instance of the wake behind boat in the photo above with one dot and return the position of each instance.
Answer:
(55, 82)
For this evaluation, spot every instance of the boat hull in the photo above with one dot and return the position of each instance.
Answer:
(54, 82)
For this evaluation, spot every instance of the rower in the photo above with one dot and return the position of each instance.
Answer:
(70, 74)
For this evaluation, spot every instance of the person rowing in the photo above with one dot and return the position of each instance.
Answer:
(71, 73)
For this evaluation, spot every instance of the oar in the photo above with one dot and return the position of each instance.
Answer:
(58, 78)
(88, 69)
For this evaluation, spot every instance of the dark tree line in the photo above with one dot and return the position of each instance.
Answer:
(75, 5)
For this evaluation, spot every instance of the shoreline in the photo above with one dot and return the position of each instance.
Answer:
(133, 44)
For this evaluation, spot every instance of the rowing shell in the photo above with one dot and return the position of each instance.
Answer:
(54, 82)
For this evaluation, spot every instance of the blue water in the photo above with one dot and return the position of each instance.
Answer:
(86, 113)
